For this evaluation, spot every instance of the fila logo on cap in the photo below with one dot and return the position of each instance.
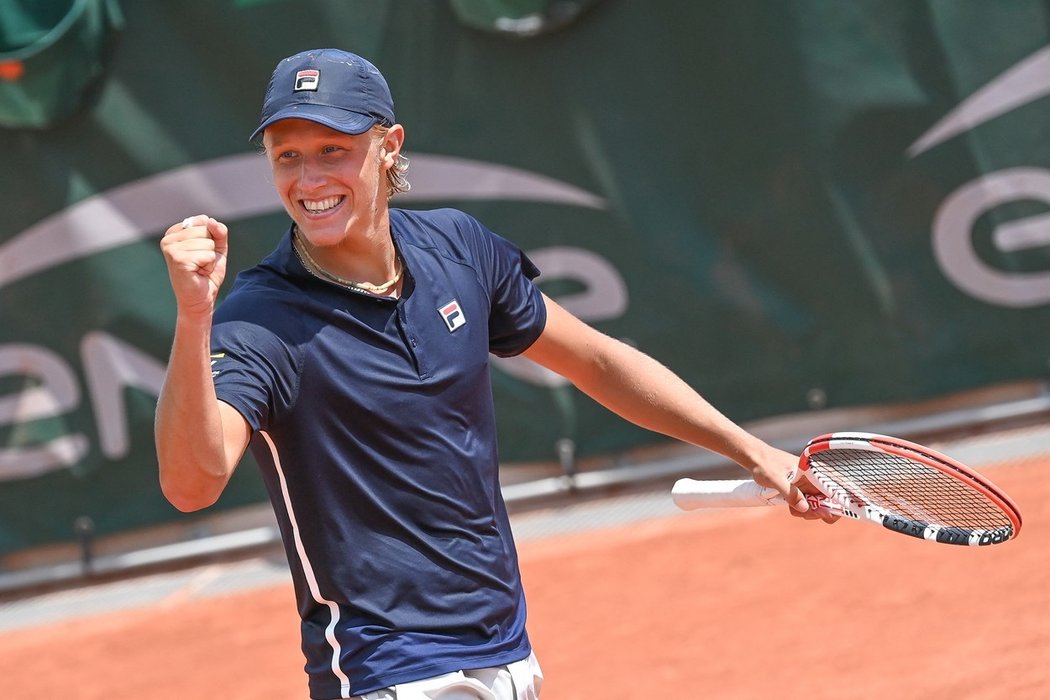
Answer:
(307, 80)
(453, 316)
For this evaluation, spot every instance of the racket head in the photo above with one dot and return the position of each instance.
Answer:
(910, 488)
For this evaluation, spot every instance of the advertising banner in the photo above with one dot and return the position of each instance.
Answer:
(793, 205)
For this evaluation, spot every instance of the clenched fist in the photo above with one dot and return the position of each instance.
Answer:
(195, 252)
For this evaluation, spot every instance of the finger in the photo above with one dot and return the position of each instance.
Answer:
(220, 234)
(195, 220)
(188, 223)
(201, 262)
(191, 242)
(190, 250)
(797, 500)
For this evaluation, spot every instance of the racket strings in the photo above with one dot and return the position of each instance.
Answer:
(909, 488)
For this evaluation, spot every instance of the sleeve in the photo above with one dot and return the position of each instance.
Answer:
(253, 369)
(517, 313)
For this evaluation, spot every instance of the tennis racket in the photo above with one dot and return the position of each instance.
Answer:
(904, 487)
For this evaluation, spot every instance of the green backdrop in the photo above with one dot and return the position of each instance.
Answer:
(799, 203)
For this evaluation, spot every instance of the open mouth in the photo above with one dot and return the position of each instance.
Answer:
(322, 206)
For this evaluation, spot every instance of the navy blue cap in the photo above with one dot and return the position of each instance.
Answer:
(332, 87)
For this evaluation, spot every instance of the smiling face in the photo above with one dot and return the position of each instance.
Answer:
(333, 185)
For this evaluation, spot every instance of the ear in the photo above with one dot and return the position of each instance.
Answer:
(390, 148)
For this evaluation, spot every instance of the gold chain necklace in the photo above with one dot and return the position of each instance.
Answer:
(315, 268)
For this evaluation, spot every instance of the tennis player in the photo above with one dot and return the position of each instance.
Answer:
(354, 362)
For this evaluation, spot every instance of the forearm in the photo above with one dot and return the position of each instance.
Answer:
(188, 431)
(643, 391)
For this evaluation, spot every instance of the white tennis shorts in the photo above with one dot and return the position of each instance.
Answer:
(520, 680)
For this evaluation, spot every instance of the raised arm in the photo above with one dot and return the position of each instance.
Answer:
(199, 439)
(643, 391)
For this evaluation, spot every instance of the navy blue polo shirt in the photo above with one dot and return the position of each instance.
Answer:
(374, 429)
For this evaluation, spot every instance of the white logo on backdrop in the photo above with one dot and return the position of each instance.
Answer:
(954, 221)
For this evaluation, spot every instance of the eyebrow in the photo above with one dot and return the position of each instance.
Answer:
(277, 141)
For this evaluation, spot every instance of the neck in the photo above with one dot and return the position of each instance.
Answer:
(379, 271)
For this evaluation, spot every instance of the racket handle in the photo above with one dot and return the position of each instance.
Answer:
(691, 494)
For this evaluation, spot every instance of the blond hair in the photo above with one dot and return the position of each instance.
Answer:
(397, 175)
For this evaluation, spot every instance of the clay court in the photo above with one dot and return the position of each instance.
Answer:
(730, 604)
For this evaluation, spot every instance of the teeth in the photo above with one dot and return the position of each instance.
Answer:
(321, 204)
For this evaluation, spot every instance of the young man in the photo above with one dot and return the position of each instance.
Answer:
(353, 361)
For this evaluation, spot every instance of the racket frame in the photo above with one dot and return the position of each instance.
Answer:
(836, 500)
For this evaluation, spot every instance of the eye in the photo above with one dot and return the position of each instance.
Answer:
(329, 150)
(284, 156)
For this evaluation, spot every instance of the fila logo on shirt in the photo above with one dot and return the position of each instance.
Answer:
(307, 80)
(452, 313)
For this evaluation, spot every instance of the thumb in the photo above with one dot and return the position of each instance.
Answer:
(220, 234)
(797, 500)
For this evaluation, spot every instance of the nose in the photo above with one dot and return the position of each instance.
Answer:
(311, 174)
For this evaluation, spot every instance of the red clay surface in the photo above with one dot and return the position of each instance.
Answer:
(730, 605)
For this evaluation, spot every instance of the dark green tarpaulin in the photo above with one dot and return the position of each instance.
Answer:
(787, 203)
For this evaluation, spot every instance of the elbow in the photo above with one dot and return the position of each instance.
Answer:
(186, 499)
(187, 503)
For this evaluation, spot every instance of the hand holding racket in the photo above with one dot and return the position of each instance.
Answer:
(900, 485)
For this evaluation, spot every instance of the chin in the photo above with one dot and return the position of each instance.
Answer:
(321, 235)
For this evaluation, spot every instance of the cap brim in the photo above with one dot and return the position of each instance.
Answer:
(332, 117)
